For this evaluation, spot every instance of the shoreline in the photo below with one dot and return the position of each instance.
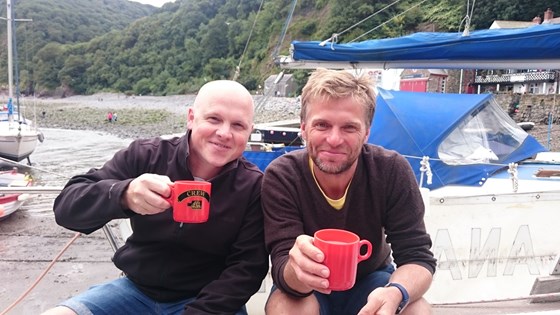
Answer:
(150, 116)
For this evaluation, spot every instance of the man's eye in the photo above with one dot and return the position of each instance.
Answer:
(239, 126)
(321, 126)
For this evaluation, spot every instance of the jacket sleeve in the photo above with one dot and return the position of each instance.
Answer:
(91, 200)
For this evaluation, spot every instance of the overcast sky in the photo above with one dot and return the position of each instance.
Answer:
(155, 3)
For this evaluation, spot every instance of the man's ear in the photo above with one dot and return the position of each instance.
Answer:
(190, 117)
(302, 132)
(367, 135)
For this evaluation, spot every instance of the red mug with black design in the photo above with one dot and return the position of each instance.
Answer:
(190, 201)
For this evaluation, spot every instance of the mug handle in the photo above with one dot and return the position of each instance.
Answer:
(369, 250)
(171, 198)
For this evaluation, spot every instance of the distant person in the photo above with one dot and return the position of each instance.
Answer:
(339, 181)
(115, 117)
(110, 117)
(173, 268)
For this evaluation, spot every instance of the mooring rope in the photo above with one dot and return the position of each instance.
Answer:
(41, 276)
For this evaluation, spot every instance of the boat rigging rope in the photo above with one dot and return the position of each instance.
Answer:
(467, 18)
(512, 171)
(389, 20)
(41, 276)
(238, 68)
(334, 37)
(425, 168)
(31, 167)
(284, 30)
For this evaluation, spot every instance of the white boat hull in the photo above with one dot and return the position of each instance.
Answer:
(492, 247)
(17, 144)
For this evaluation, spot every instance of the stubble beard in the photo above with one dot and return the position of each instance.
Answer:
(330, 168)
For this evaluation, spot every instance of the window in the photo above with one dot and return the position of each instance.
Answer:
(487, 135)
(534, 88)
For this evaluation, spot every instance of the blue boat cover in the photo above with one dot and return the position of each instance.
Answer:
(538, 42)
(415, 125)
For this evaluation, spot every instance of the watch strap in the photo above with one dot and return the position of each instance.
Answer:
(405, 296)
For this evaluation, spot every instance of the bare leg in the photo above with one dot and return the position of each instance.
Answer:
(419, 307)
(280, 303)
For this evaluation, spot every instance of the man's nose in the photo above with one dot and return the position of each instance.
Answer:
(224, 130)
(334, 137)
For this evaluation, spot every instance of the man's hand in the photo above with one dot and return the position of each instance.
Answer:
(304, 271)
(382, 301)
(146, 194)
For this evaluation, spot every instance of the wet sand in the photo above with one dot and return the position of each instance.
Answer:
(28, 244)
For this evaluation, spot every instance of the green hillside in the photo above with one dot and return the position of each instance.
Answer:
(62, 22)
(177, 48)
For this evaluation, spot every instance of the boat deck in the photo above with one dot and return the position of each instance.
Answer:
(28, 243)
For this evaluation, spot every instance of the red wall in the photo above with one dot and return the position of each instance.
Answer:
(420, 85)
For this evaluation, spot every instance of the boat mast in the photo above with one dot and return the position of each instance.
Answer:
(10, 28)
(9, 19)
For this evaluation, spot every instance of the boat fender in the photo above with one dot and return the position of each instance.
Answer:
(40, 137)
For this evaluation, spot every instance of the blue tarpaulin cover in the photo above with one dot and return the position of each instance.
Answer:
(536, 42)
(415, 124)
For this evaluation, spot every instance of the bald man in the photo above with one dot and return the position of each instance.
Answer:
(170, 267)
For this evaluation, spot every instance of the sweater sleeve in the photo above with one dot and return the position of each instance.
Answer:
(283, 223)
(404, 218)
(91, 200)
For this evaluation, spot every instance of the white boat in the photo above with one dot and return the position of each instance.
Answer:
(18, 136)
(18, 139)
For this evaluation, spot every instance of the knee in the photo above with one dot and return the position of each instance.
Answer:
(418, 307)
(281, 303)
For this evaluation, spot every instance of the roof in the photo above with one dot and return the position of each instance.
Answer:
(511, 24)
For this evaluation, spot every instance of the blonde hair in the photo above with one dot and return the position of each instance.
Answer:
(335, 84)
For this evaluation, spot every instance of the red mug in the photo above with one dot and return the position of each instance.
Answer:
(342, 255)
(190, 201)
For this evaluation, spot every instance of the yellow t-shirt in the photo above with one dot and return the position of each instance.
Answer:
(338, 203)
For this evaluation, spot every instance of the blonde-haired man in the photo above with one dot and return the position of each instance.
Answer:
(340, 181)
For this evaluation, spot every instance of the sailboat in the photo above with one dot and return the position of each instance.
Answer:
(18, 136)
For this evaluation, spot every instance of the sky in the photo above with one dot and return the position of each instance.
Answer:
(155, 3)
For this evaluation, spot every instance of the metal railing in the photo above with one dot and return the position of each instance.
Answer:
(516, 77)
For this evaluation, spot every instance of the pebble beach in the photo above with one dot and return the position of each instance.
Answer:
(148, 116)
(138, 116)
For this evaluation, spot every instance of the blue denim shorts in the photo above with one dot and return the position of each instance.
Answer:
(350, 302)
(121, 296)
